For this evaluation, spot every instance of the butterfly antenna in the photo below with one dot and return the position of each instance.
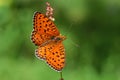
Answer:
(75, 44)
(61, 76)
(68, 30)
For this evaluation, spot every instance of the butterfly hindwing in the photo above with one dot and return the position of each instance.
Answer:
(53, 54)
(56, 59)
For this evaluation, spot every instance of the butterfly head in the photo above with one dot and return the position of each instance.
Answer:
(58, 38)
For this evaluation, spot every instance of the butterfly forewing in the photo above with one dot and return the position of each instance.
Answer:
(43, 29)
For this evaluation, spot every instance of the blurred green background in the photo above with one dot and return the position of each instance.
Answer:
(92, 28)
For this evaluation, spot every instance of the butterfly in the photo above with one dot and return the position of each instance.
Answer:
(46, 36)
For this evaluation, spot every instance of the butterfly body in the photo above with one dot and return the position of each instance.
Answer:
(49, 41)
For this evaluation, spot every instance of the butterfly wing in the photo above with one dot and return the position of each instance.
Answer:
(53, 54)
(56, 59)
(43, 29)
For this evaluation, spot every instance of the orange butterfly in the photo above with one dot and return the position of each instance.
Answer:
(46, 36)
